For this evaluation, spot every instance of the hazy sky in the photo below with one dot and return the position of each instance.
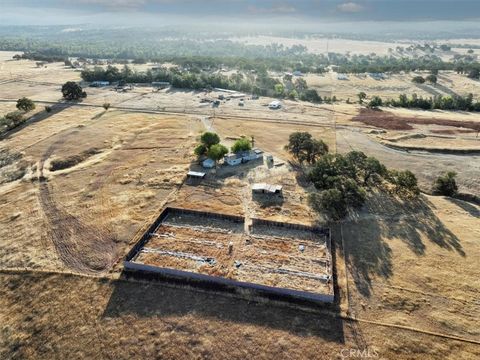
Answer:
(62, 12)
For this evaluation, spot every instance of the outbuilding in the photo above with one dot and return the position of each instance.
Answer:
(263, 188)
(195, 175)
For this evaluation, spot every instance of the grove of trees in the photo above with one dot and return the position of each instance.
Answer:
(343, 180)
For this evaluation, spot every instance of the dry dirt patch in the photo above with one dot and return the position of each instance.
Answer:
(389, 121)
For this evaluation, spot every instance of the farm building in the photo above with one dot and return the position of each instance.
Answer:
(263, 188)
(208, 163)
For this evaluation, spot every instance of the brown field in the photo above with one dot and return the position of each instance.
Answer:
(78, 184)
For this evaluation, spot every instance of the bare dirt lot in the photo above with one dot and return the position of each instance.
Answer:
(77, 185)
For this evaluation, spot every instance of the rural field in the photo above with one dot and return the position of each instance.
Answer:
(81, 182)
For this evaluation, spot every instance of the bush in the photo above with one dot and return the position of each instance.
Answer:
(106, 106)
(445, 184)
(48, 109)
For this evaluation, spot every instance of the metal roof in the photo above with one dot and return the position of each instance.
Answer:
(266, 187)
(196, 174)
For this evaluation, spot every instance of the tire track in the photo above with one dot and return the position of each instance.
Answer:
(83, 248)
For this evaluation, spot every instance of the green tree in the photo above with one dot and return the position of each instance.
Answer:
(209, 139)
(446, 184)
(327, 171)
(279, 90)
(25, 104)
(361, 96)
(296, 142)
(373, 170)
(292, 95)
(200, 150)
(242, 144)
(375, 102)
(72, 91)
(313, 149)
(354, 195)
(432, 79)
(405, 181)
(216, 152)
(331, 202)
(418, 80)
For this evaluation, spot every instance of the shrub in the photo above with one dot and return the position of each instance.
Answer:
(48, 109)
(106, 106)
(445, 184)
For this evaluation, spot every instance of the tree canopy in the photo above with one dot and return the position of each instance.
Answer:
(25, 104)
(242, 144)
(72, 91)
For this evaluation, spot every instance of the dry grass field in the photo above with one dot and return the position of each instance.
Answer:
(79, 183)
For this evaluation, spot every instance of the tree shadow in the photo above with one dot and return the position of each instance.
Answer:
(162, 299)
(386, 217)
(446, 89)
(428, 89)
(55, 109)
(472, 210)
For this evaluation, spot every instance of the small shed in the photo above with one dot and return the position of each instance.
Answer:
(208, 163)
(263, 188)
(195, 175)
